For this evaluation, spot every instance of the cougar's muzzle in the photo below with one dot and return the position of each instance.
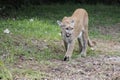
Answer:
(68, 34)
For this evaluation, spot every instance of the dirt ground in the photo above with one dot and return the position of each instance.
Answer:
(100, 67)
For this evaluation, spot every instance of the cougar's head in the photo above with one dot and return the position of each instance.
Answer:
(67, 27)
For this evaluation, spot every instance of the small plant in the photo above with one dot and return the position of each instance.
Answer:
(4, 72)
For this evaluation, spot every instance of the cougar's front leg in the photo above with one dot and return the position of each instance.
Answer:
(65, 44)
(70, 47)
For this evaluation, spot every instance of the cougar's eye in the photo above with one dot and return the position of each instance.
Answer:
(67, 28)
(71, 28)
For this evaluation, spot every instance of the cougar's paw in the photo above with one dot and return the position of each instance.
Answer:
(83, 54)
(66, 58)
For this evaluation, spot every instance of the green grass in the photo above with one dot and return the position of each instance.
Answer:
(38, 23)
(4, 72)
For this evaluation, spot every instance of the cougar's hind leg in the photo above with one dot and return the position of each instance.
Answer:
(80, 41)
(84, 43)
(80, 45)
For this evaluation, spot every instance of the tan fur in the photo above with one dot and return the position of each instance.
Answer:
(75, 27)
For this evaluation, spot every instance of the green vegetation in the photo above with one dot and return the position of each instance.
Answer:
(4, 72)
(34, 33)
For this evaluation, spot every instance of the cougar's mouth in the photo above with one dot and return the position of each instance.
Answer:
(68, 35)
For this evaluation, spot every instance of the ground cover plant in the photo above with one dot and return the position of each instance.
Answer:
(33, 49)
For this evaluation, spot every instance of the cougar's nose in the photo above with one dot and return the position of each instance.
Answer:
(68, 35)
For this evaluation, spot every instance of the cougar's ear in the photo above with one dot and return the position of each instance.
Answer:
(72, 23)
(59, 23)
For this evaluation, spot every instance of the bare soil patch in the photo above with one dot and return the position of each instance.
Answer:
(89, 68)
(102, 67)
(113, 30)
